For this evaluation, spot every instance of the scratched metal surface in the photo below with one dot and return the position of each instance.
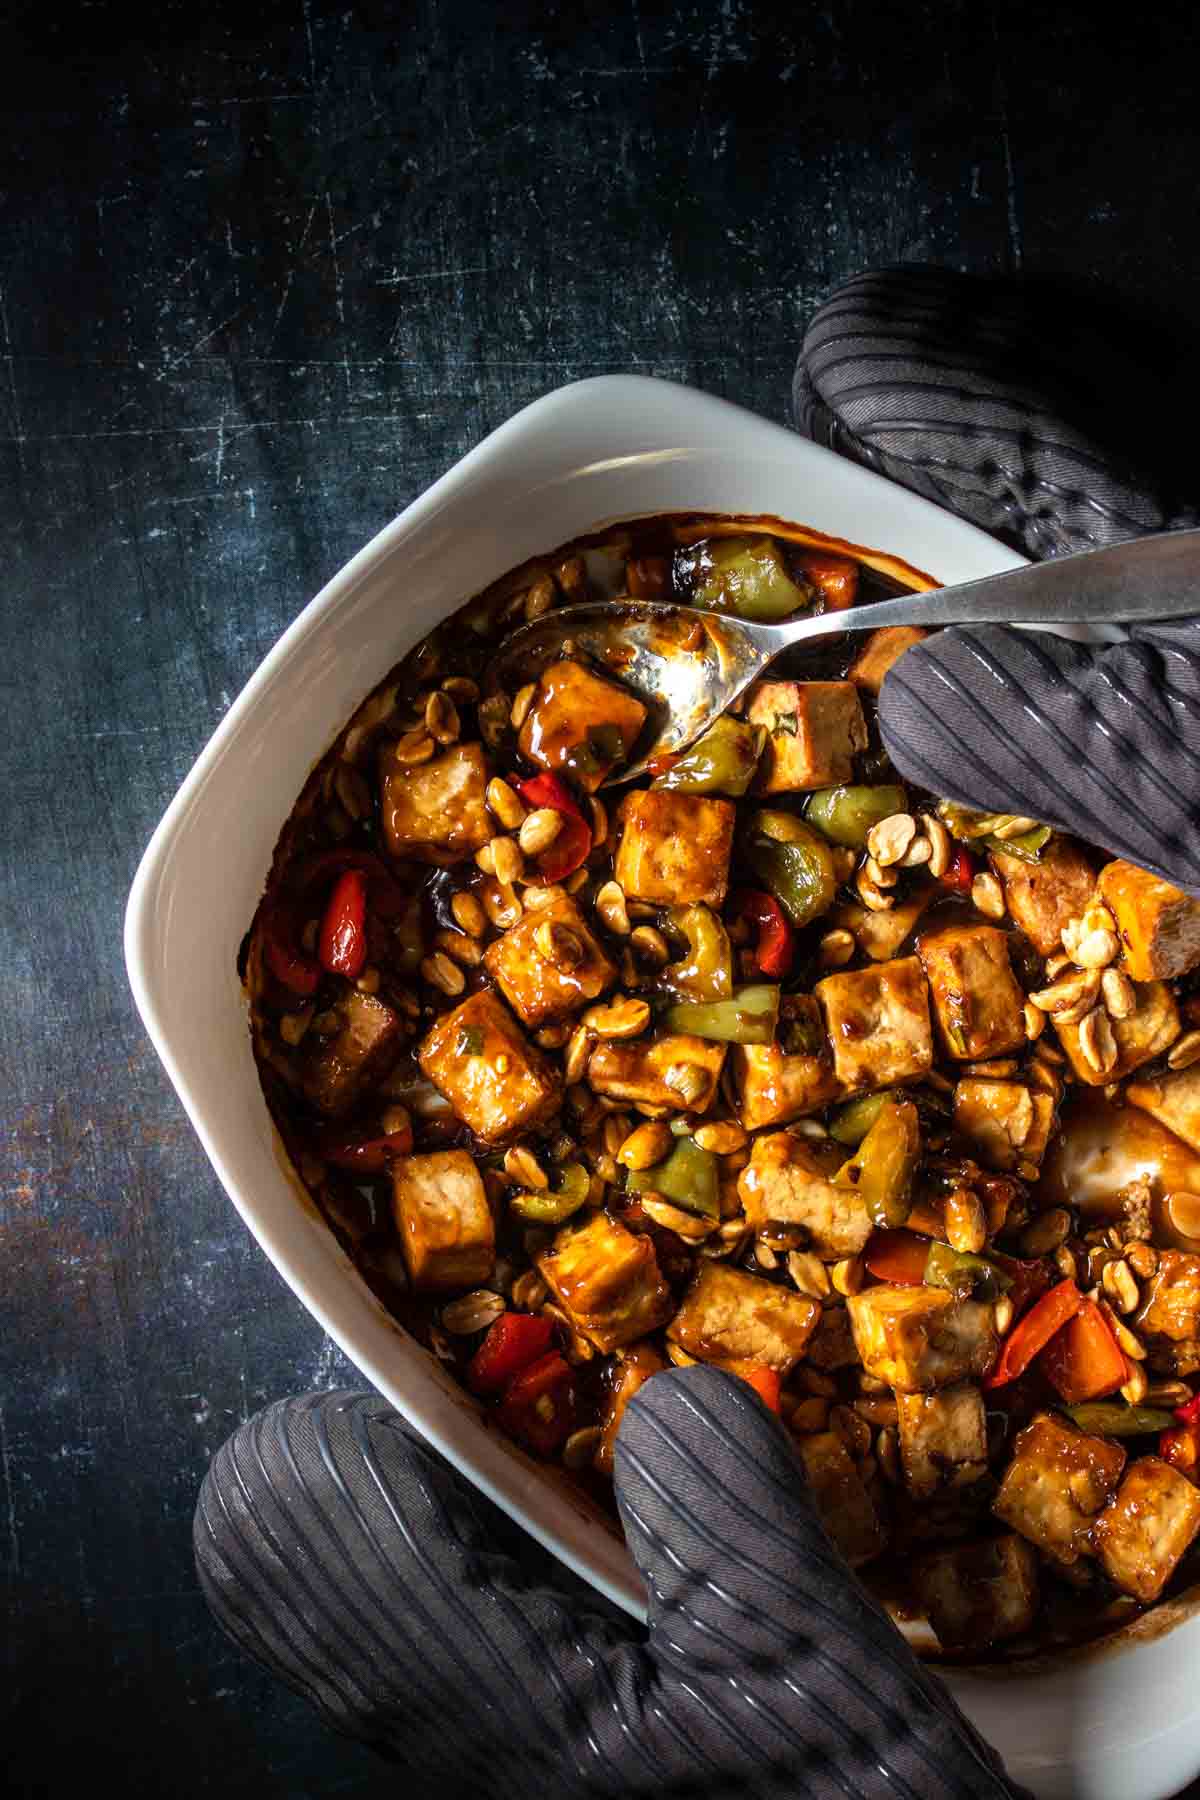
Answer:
(264, 273)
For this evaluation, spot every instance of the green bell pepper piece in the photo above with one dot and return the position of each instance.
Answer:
(688, 1177)
(846, 814)
(1028, 847)
(552, 1207)
(749, 1016)
(705, 972)
(793, 862)
(743, 575)
(852, 1122)
(723, 761)
(882, 1168)
(964, 1274)
(1110, 1419)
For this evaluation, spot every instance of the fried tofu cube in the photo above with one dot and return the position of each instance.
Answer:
(1158, 924)
(580, 723)
(494, 1078)
(628, 1375)
(1045, 895)
(920, 1338)
(729, 1316)
(1150, 1028)
(338, 1070)
(775, 1085)
(607, 1281)
(446, 1228)
(657, 1071)
(943, 1438)
(1169, 1320)
(879, 935)
(841, 1497)
(1173, 1098)
(674, 848)
(1058, 1481)
(815, 730)
(435, 812)
(979, 1594)
(1142, 1535)
(540, 986)
(834, 577)
(878, 1024)
(1004, 1121)
(789, 1181)
(976, 998)
(881, 652)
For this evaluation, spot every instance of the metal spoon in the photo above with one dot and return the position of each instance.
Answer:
(688, 664)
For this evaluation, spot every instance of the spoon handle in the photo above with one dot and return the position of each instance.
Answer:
(1154, 577)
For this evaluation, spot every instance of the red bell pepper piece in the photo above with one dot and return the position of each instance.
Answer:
(540, 1407)
(365, 1156)
(1181, 1448)
(514, 1341)
(897, 1256)
(1083, 1360)
(776, 940)
(342, 944)
(298, 973)
(1032, 1333)
(570, 848)
(960, 871)
(1189, 1412)
(387, 897)
(764, 1381)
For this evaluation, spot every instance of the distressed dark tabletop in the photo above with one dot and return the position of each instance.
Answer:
(265, 272)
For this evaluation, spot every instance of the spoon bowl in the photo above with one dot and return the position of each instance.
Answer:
(689, 664)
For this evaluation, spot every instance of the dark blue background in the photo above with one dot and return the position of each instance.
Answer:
(265, 272)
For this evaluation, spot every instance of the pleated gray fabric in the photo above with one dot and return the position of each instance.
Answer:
(347, 1557)
(987, 399)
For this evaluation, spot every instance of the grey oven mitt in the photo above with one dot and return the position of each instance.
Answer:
(1050, 425)
(341, 1552)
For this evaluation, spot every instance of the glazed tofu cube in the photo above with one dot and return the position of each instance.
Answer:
(493, 1077)
(979, 1006)
(580, 723)
(1172, 1098)
(338, 1070)
(834, 577)
(1169, 1320)
(627, 1376)
(607, 1281)
(832, 1345)
(435, 812)
(878, 1024)
(943, 1438)
(656, 1071)
(1004, 1122)
(1151, 1028)
(1056, 1484)
(674, 848)
(816, 728)
(444, 1220)
(979, 1594)
(920, 1338)
(774, 1086)
(1158, 924)
(549, 964)
(789, 1181)
(1045, 895)
(881, 652)
(728, 1315)
(843, 1502)
(879, 935)
(1142, 1535)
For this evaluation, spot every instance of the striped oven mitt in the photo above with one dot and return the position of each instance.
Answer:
(341, 1552)
(1001, 403)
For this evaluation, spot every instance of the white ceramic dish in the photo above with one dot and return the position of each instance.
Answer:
(1119, 1725)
